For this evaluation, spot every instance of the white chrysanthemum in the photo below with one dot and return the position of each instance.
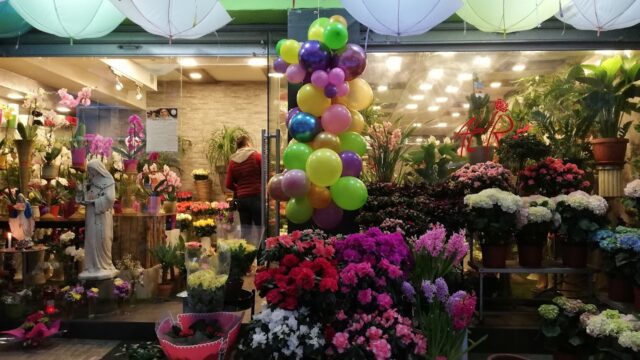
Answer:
(632, 189)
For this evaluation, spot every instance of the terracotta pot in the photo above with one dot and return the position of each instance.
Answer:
(203, 189)
(636, 297)
(232, 289)
(164, 290)
(574, 255)
(620, 289)
(153, 205)
(54, 210)
(558, 355)
(494, 256)
(529, 255)
(609, 151)
(480, 154)
(130, 166)
(169, 207)
(24, 148)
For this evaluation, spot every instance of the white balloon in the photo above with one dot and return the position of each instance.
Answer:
(600, 15)
(504, 16)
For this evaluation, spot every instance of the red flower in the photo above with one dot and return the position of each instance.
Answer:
(502, 105)
(72, 120)
(305, 278)
(262, 276)
(274, 296)
(290, 260)
(290, 303)
(186, 333)
(35, 317)
(154, 156)
(329, 284)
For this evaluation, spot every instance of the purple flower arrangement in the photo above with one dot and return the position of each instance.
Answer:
(121, 288)
(373, 246)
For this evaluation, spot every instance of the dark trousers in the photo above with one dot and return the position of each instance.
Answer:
(250, 210)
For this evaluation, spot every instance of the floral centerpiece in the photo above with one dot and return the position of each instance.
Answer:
(552, 177)
(205, 289)
(471, 179)
(536, 218)
(131, 269)
(436, 255)
(621, 250)
(121, 289)
(241, 254)
(36, 328)
(631, 199)
(134, 145)
(493, 215)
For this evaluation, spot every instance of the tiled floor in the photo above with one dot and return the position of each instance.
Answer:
(62, 349)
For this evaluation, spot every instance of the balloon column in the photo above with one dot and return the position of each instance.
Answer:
(323, 160)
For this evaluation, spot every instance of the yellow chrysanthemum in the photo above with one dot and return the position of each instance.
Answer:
(65, 289)
(207, 279)
(235, 244)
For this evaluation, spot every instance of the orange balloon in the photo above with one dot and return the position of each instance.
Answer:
(357, 122)
(319, 196)
(338, 18)
(326, 140)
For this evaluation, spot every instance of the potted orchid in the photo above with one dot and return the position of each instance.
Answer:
(535, 219)
(78, 147)
(134, 145)
(99, 146)
(151, 181)
(78, 143)
(169, 189)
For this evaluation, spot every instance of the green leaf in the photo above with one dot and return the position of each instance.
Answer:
(22, 131)
(611, 66)
(622, 132)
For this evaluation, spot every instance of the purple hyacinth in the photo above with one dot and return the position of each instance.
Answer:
(442, 290)
(408, 291)
(428, 290)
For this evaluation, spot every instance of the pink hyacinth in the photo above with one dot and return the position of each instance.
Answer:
(457, 246)
(461, 307)
(432, 241)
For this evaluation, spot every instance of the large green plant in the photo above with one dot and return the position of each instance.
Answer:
(222, 144)
(431, 162)
(607, 90)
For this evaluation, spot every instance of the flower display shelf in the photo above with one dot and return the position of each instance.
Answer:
(57, 223)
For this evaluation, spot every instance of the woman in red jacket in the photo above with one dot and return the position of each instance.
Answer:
(244, 179)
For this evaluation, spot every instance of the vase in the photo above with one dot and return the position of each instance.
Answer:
(232, 289)
(35, 211)
(203, 189)
(24, 148)
(153, 205)
(494, 256)
(50, 171)
(164, 290)
(79, 158)
(169, 207)
(529, 255)
(609, 151)
(206, 242)
(130, 166)
(559, 355)
(480, 154)
(620, 288)
(574, 255)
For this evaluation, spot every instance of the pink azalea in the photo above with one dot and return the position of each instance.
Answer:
(381, 349)
(340, 341)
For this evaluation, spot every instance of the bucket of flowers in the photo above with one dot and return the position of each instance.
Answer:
(204, 229)
(36, 328)
(202, 184)
(241, 254)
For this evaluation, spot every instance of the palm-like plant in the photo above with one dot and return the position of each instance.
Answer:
(222, 144)
(167, 256)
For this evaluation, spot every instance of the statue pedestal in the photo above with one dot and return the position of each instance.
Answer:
(105, 303)
(98, 275)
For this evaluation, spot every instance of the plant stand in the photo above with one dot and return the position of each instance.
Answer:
(610, 180)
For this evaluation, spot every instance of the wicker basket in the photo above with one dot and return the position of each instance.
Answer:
(203, 190)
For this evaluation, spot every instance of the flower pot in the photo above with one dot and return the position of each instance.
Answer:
(169, 207)
(529, 255)
(480, 154)
(636, 297)
(203, 189)
(574, 255)
(24, 148)
(130, 166)
(232, 289)
(620, 288)
(50, 171)
(164, 290)
(153, 205)
(609, 151)
(79, 158)
(494, 256)
(69, 208)
(559, 355)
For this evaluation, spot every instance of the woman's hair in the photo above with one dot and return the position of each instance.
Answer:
(242, 141)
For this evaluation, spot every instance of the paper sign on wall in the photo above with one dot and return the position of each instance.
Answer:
(162, 130)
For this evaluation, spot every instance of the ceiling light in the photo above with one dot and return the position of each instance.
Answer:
(411, 106)
(188, 62)
(195, 75)
(451, 89)
(466, 105)
(442, 99)
(417, 125)
(446, 53)
(436, 73)
(138, 93)
(417, 97)
(519, 67)
(62, 109)
(455, 114)
(119, 85)
(376, 107)
(426, 86)
(482, 61)
(15, 96)
(394, 63)
(441, 125)
(276, 75)
(419, 139)
(257, 61)
(465, 76)
(495, 84)
(383, 88)
(433, 108)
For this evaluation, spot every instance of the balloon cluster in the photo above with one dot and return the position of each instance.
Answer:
(323, 160)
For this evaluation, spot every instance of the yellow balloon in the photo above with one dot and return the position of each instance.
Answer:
(312, 100)
(324, 167)
(316, 33)
(360, 95)
(357, 122)
(289, 51)
(338, 18)
(326, 140)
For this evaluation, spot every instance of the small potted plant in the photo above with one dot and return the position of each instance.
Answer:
(552, 177)
(166, 256)
(202, 184)
(49, 169)
(134, 145)
(241, 255)
(169, 190)
(205, 291)
(535, 220)
(516, 150)
(621, 253)
(204, 229)
(432, 162)
(471, 179)
(151, 182)
(78, 148)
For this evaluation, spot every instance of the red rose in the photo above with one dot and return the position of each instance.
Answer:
(274, 297)
(290, 260)
(290, 303)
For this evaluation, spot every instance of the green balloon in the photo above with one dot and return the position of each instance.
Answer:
(299, 210)
(321, 22)
(295, 156)
(354, 142)
(324, 167)
(349, 193)
(279, 45)
(335, 35)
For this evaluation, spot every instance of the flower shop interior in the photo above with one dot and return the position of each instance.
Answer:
(477, 193)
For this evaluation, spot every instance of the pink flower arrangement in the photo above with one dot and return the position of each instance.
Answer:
(99, 145)
(435, 255)
(83, 98)
(35, 329)
(552, 177)
(471, 179)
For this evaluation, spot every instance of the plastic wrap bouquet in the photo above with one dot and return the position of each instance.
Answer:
(36, 328)
(199, 336)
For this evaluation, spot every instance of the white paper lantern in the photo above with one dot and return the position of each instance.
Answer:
(75, 19)
(600, 15)
(505, 16)
(183, 19)
(401, 17)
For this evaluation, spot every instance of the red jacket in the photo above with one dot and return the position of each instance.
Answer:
(244, 178)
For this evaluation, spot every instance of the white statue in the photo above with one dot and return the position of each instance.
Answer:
(21, 222)
(98, 231)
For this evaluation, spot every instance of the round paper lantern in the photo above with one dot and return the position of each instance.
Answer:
(184, 19)
(12, 24)
(505, 16)
(600, 15)
(401, 18)
(74, 19)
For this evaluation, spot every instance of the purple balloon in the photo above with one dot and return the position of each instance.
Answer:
(329, 217)
(314, 55)
(295, 183)
(291, 114)
(352, 60)
(296, 73)
(336, 76)
(351, 163)
(275, 188)
(330, 91)
(280, 66)
(320, 79)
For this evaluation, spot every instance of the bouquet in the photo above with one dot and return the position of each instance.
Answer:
(183, 206)
(201, 208)
(552, 177)
(471, 179)
(121, 288)
(561, 325)
(169, 187)
(35, 329)
(581, 213)
(184, 221)
(241, 255)
(205, 292)
(493, 215)
(204, 227)
(631, 201)
(435, 255)
(200, 174)
(621, 249)
(535, 219)
(150, 180)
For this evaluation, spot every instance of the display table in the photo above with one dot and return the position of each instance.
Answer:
(31, 258)
(138, 235)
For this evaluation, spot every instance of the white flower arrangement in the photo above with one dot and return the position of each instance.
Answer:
(76, 254)
(580, 200)
(537, 209)
(486, 199)
(183, 217)
(630, 340)
(68, 236)
(632, 189)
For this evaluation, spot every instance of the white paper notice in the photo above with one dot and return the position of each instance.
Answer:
(162, 135)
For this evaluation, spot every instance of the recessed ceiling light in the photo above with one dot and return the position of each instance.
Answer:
(436, 73)
(426, 86)
(466, 105)
(482, 61)
(455, 114)
(276, 75)
(451, 89)
(441, 125)
(63, 109)
(433, 108)
(519, 67)
(195, 75)
(188, 62)
(417, 125)
(442, 99)
(15, 96)
(394, 63)
(383, 88)
(411, 106)
(495, 84)
(465, 76)
(417, 97)
(257, 61)
(419, 139)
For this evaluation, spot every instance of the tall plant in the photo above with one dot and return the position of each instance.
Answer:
(431, 162)
(222, 144)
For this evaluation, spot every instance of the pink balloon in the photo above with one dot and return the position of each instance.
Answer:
(336, 76)
(336, 119)
(320, 79)
(343, 89)
(296, 73)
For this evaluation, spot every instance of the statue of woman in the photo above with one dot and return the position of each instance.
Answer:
(98, 232)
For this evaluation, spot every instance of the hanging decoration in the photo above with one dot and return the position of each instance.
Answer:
(323, 160)
(184, 19)
(505, 16)
(600, 15)
(12, 24)
(74, 19)
(401, 18)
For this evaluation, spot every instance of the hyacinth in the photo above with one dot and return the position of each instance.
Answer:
(632, 189)
(457, 246)
(630, 340)
(428, 290)
(461, 307)
(442, 290)
(548, 311)
(432, 241)
(408, 291)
